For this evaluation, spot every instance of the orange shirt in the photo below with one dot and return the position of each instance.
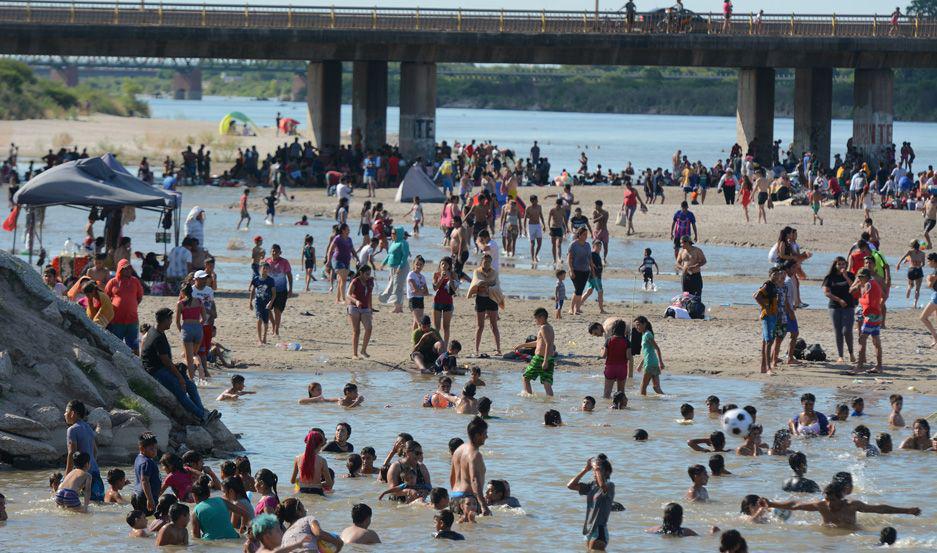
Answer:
(126, 294)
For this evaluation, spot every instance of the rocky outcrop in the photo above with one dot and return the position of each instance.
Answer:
(51, 353)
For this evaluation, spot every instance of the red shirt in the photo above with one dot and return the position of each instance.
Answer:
(126, 294)
(181, 484)
(616, 356)
(443, 297)
(631, 197)
(856, 261)
(393, 165)
(871, 300)
(362, 291)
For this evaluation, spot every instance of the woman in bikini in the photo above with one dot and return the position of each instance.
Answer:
(746, 196)
(810, 422)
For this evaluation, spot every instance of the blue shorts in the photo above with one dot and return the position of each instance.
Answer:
(261, 312)
(67, 498)
(933, 298)
(191, 332)
(767, 327)
(792, 325)
(559, 305)
(595, 283)
(338, 265)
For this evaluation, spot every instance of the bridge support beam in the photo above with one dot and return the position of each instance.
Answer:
(873, 113)
(417, 110)
(754, 120)
(187, 84)
(369, 104)
(324, 99)
(813, 112)
(65, 74)
(298, 88)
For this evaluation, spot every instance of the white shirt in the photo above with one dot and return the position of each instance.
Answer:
(364, 256)
(179, 260)
(415, 281)
(495, 253)
(858, 182)
(206, 295)
(343, 191)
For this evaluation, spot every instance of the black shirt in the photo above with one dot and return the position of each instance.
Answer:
(799, 484)
(448, 535)
(154, 345)
(335, 447)
(597, 262)
(839, 287)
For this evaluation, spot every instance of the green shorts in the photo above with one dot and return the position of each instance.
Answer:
(653, 370)
(538, 369)
(815, 208)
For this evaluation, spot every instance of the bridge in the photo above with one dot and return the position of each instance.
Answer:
(324, 37)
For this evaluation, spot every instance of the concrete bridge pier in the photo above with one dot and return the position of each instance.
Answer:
(813, 112)
(298, 88)
(754, 121)
(187, 84)
(873, 113)
(65, 74)
(369, 103)
(417, 110)
(324, 99)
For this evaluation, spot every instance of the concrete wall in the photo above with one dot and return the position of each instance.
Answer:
(324, 99)
(873, 112)
(417, 110)
(755, 112)
(369, 103)
(187, 84)
(813, 112)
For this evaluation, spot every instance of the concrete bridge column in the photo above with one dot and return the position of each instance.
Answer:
(324, 99)
(369, 103)
(873, 113)
(187, 84)
(298, 89)
(813, 112)
(65, 74)
(417, 110)
(754, 121)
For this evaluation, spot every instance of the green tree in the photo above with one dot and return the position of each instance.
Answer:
(922, 7)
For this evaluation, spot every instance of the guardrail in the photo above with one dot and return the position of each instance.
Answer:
(182, 15)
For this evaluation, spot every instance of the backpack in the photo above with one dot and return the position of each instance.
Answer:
(695, 307)
(799, 347)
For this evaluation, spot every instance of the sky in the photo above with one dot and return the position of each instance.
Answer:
(860, 7)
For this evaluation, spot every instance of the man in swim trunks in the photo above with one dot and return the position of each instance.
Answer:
(468, 471)
(930, 218)
(762, 194)
(427, 345)
(690, 261)
(535, 223)
(480, 212)
(542, 363)
(458, 246)
(558, 229)
(600, 228)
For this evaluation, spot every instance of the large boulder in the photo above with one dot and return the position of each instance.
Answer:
(22, 426)
(100, 421)
(26, 452)
(124, 445)
(198, 439)
(223, 439)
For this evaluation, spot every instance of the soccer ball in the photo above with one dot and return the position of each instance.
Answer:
(736, 423)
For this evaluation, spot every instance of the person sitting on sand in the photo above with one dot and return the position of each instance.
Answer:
(837, 511)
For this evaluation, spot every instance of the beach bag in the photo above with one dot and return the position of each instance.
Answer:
(621, 220)
(814, 352)
(799, 347)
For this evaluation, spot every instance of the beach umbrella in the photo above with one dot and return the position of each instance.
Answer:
(225, 122)
(288, 124)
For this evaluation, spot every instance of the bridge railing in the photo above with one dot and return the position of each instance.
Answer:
(191, 15)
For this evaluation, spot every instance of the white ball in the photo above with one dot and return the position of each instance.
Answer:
(736, 423)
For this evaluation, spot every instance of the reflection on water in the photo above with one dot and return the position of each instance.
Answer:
(537, 461)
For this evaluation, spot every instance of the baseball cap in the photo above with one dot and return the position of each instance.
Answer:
(426, 320)
(258, 238)
(201, 274)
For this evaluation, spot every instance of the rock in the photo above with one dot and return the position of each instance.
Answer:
(222, 437)
(198, 439)
(22, 426)
(100, 420)
(6, 366)
(72, 379)
(52, 314)
(49, 416)
(84, 359)
(124, 444)
(120, 416)
(26, 452)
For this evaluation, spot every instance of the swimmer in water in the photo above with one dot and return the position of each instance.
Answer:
(712, 406)
(117, 480)
(498, 492)
(476, 377)
(314, 391)
(588, 404)
(717, 464)
(619, 401)
(716, 440)
(781, 444)
(837, 511)
(466, 404)
(640, 435)
(894, 418)
(438, 499)
(442, 397)
(484, 408)
(686, 411)
(810, 422)
(751, 446)
(797, 483)
(755, 508)
(406, 491)
(920, 436)
(883, 441)
(862, 439)
(673, 523)
(552, 418)
(700, 478)
(351, 397)
(601, 494)
(368, 456)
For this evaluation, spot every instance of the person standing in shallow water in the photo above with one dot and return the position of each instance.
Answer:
(467, 475)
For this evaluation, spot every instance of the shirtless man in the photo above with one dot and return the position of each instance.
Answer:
(467, 477)
(558, 229)
(930, 218)
(535, 223)
(358, 532)
(458, 246)
(690, 261)
(542, 363)
(480, 211)
(762, 191)
(915, 258)
(836, 510)
(600, 228)
(98, 272)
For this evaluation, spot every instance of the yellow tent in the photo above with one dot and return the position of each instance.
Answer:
(225, 125)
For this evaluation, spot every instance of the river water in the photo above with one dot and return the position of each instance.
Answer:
(608, 139)
(537, 461)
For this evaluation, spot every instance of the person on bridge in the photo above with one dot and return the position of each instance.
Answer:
(727, 15)
(895, 18)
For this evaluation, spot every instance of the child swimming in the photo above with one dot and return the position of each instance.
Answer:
(236, 390)
(116, 480)
(76, 482)
(699, 478)
(797, 483)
